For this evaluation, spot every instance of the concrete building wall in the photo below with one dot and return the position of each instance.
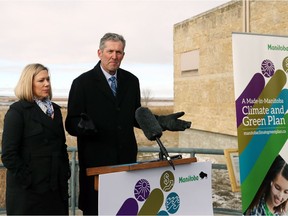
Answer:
(206, 93)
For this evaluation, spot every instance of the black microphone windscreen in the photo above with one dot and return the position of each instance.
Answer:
(148, 123)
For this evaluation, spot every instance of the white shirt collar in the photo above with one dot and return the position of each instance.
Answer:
(106, 74)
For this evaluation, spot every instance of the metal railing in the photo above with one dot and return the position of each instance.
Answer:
(74, 184)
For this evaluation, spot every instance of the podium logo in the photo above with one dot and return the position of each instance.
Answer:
(153, 199)
(142, 190)
(167, 181)
(192, 178)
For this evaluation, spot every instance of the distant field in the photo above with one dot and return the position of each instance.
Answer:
(169, 138)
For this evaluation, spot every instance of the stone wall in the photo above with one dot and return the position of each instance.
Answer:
(207, 95)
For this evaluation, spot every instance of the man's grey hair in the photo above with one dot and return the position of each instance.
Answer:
(113, 37)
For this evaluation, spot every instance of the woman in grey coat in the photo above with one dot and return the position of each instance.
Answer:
(34, 150)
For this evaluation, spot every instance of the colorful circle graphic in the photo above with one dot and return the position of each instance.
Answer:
(163, 213)
(167, 181)
(285, 64)
(172, 203)
(142, 190)
(267, 68)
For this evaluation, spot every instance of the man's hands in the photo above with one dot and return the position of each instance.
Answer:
(86, 125)
(167, 122)
(172, 123)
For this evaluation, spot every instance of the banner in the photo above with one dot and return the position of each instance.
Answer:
(260, 64)
(187, 190)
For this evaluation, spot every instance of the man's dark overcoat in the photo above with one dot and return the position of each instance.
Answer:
(35, 155)
(114, 119)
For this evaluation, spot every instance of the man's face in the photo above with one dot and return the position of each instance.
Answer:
(111, 56)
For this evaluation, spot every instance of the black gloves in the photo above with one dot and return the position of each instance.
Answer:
(172, 123)
(86, 125)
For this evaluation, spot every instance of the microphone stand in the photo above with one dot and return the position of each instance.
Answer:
(164, 152)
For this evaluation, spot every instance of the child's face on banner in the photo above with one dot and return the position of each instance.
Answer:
(279, 190)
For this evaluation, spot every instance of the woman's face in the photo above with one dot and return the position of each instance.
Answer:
(279, 190)
(41, 85)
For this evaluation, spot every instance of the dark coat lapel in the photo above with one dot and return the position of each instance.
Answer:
(121, 88)
(42, 118)
(102, 84)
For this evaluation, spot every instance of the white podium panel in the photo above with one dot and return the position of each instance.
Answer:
(187, 190)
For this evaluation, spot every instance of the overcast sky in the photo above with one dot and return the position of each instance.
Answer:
(64, 36)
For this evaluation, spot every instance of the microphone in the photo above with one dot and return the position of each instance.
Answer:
(152, 129)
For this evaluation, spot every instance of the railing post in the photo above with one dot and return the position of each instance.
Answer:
(192, 154)
(73, 182)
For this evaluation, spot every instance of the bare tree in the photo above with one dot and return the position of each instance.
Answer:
(146, 96)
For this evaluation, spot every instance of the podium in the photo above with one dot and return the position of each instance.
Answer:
(154, 188)
(96, 171)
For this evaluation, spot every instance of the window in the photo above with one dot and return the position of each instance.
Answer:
(189, 63)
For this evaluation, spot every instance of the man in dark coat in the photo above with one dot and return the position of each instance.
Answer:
(104, 122)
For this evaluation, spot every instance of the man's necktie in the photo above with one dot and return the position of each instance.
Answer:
(113, 84)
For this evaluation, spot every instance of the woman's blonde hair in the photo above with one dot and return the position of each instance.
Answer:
(24, 87)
